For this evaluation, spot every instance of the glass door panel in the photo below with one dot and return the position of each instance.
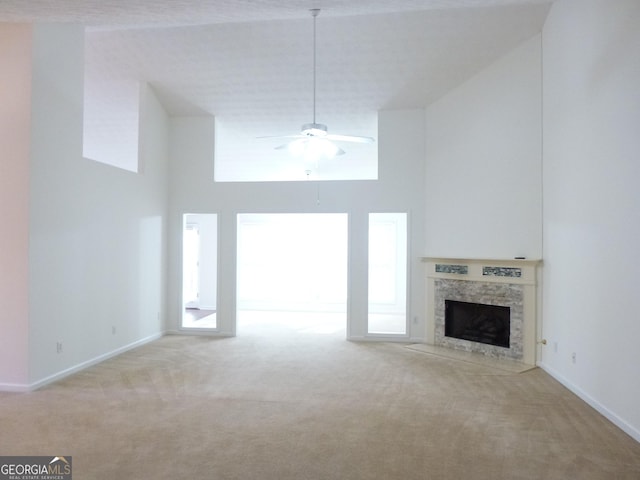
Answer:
(387, 273)
(199, 271)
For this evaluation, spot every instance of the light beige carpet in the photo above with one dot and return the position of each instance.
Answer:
(284, 404)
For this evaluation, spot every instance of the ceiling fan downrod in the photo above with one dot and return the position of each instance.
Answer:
(314, 13)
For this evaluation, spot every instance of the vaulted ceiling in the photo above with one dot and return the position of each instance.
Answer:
(249, 62)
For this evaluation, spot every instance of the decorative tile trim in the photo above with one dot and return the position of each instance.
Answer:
(457, 269)
(502, 272)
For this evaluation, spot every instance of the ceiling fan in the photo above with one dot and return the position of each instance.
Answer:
(314, 140)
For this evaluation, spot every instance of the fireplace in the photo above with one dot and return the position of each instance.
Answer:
(492, 302)
(477, 322)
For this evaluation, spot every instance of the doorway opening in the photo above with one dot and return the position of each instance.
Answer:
(292, 273)
(199, 271)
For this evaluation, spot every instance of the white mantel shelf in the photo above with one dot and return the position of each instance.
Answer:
(510, 261)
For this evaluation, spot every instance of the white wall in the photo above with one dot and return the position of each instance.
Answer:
(96, 233)
(15, 118)
(592, 203)
(399, 189)
(483, 173)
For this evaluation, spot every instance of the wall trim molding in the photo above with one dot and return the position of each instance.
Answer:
(14, 387)
(593, 403)
(24, 388)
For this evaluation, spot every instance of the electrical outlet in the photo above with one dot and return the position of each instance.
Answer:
(58, 347)
(415, 320)
(573, 357)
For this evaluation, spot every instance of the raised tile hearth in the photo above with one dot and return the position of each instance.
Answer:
(507, 283)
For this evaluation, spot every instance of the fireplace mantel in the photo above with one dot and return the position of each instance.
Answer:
(479, 274)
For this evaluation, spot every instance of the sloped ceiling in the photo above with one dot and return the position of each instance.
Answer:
(250, 62)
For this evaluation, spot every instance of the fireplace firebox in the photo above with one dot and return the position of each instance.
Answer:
(476, 322)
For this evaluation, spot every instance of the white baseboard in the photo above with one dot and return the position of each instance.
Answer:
(7, 387)
(14, 387)
(611, 416)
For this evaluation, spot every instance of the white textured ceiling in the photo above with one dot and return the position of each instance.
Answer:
(249, 62)
(128, 13)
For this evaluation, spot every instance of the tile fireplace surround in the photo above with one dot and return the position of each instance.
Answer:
(509, 283)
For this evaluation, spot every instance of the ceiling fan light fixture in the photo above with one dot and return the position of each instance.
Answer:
(314, 130)
(314, 148)
(326, 148)
(297, 147)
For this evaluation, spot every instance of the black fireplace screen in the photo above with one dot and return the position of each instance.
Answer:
(477, 322)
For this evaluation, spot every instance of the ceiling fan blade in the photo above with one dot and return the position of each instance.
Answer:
(350, 138)
(282, 136)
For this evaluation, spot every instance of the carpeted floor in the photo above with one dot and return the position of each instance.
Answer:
(284, 404)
